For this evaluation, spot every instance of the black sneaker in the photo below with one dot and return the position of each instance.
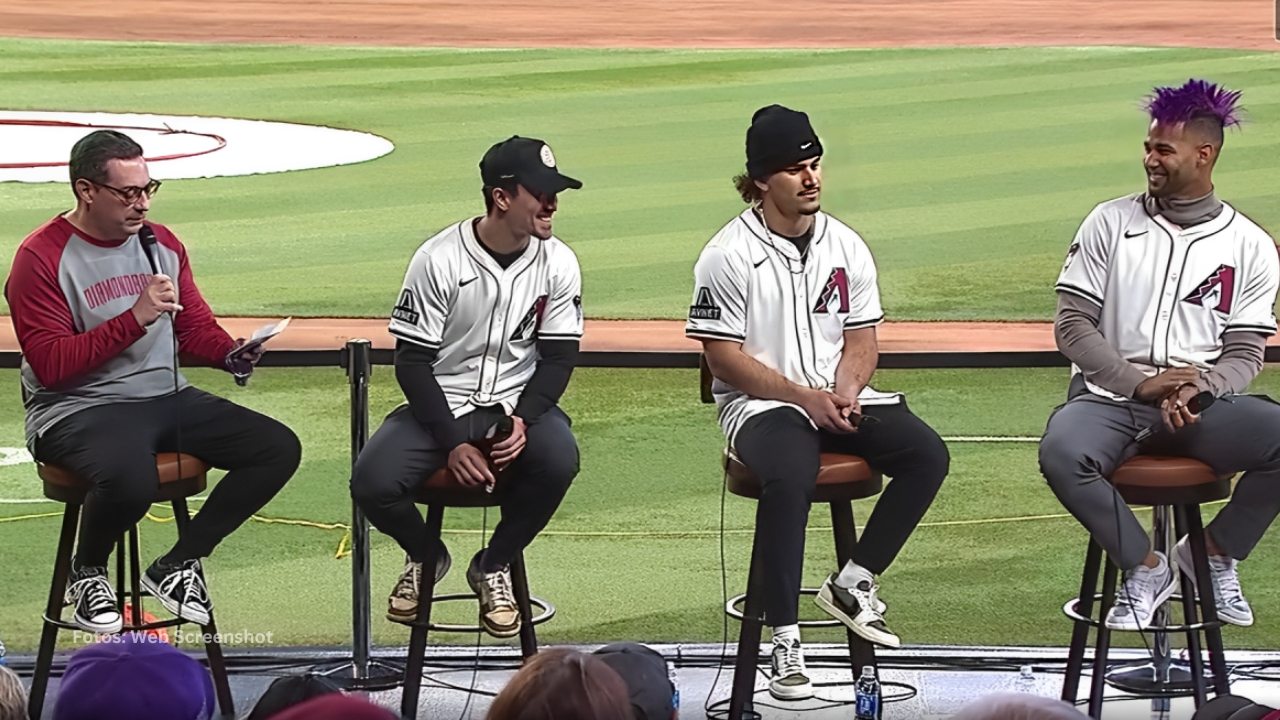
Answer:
(94, 599)
(859, 608)
(498, 611)
(402, 605)
(180, 590)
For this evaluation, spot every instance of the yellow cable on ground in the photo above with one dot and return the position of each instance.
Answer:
(344, 544)
(37, 516)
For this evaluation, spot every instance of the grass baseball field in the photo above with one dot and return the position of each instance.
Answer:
(634, 551)
(966, 169)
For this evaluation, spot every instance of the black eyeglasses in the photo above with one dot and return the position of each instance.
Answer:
(131, 195)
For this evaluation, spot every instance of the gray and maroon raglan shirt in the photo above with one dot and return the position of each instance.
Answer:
(71, 296)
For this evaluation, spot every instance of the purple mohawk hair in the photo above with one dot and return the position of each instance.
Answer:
(1174, 105)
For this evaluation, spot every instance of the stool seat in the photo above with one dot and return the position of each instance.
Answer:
(443, 487)
(181, 476)
(840, 478)
(1169, 480)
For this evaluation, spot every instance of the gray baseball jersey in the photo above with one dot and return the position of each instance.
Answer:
(483, 320)
(752, 287)
(1168, 294)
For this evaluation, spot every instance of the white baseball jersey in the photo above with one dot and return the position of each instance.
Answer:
(752, 287)
(484, 320)
(1167, 294)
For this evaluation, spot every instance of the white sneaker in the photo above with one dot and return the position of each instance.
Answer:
(859, 608)
(789, 680)
(1232, 607)
(1143, 591)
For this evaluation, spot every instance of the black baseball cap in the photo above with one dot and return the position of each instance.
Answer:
(644, 670)
(527, 161)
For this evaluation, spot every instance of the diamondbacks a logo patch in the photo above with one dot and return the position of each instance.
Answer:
(1071, 255)
(406, 310)
(1216, 291)
(837, 285)
(577, 306)
(531, 321)
(704, 307)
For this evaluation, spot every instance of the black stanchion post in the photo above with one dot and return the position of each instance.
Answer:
(362, 672)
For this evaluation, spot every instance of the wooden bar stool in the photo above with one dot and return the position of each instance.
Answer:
(841, 480)
(1174, 487)
(442, 490)
(181, 477)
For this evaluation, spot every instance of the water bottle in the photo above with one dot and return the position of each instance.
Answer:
(867, 695)
(1026, 680)
(675, 688)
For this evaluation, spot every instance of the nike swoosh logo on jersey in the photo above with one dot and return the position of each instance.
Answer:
(806, 146)
(465, 283)
(761, 262)
(1133, 235)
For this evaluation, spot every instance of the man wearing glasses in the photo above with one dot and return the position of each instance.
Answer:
(102, 301)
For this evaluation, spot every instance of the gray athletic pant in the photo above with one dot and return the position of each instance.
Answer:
(1089, 436)
(402, 454)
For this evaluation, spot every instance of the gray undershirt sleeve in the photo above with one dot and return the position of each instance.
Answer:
(1239, 364)
(1075, 328)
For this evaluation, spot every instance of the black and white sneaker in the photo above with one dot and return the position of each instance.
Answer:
(859, 608)
(181, 591)
(96, 610)
(402, 605)
(788, 677)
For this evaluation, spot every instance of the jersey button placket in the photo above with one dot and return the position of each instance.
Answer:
(498, 341)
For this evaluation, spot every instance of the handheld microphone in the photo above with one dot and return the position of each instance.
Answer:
(1196, 405)
(148, 238)
(497, 432)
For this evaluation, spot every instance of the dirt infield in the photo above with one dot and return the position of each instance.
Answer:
(1241, 24)
(657, 23)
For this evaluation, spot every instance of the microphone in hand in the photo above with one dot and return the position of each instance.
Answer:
(1196, 405)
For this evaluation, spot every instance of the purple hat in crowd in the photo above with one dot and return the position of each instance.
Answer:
(131, 677)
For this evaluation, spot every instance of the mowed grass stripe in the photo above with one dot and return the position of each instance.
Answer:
(966, 169)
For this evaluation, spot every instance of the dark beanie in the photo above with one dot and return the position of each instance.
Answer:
(779, 137)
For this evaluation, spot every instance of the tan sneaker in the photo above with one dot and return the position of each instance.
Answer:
(498, 611)
(402, 605)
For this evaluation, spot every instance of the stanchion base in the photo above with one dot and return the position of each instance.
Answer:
(1142, 679)
(380, 676)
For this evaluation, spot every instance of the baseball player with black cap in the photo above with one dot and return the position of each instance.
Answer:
(786, 305)
(487, 326)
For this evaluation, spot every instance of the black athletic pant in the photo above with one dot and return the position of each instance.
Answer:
(781, 448)
(402, 454)
(114, 447)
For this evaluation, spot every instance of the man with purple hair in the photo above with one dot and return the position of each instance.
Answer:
(1166, 294)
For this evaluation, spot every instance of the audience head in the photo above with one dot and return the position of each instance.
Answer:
(1017, 706)
(286, 692)
(562, 684)
(134, 676)
(335, 706)
(13, 699)
(644, 670)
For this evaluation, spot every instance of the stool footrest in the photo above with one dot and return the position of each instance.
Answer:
(546, 611)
